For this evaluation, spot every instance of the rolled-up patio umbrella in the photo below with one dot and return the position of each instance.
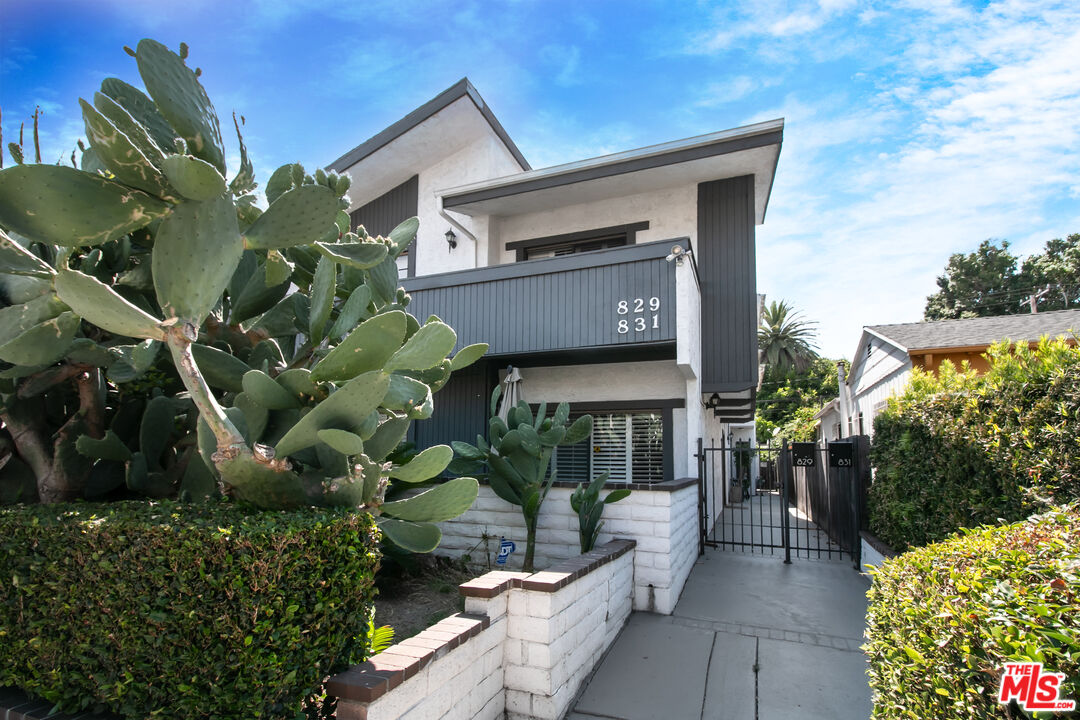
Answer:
(512, 394)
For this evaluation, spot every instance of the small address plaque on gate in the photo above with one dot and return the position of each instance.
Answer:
(641, 314)
(803, 454)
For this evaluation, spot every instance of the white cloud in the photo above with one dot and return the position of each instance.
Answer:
(972, 133)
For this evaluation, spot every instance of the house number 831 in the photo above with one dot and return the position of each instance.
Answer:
(640, 309)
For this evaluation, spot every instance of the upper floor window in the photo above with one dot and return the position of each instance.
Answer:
(576, 242)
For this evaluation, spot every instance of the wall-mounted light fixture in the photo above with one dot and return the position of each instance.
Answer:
(451, 239)
(678, 253)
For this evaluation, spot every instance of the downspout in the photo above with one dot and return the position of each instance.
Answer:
(476, 245)
(845, 402)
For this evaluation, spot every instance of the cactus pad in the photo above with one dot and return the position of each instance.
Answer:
(42, 344)
(101, 305)
(220, 369)
(323, 287)
(345, 410)
(17, 260)
(352, 312)
(300, 216)
(65, 206)
(343, 441)
(141, 109)
(387, 437)
(263, 389)
(467, 355)
(409, 396)
(182, 100)
(426, 349)
(123, 158)
(440, 503)
(136, 132)
(196, 251)
(17, 319)
(368, 347)
(360, 255)
(426, 465)
(414, 537)
(193, 178)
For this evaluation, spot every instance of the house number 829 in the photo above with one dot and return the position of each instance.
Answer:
(640, 309)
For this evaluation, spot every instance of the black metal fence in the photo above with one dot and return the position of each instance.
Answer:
(804, 499)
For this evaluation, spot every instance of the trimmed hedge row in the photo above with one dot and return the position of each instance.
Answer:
(958, 449)
(167, 610)
(943, 619)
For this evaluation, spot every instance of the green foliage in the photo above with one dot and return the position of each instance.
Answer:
(986, 283)
(944, 619)
(149, 266)
(165, 610)
(586, 502)
(788, 399)
(958, 449)
(517, 457)
(785, 340)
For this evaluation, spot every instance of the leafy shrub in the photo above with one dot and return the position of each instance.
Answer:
(958, 449)
(165, 610)
(944, 619)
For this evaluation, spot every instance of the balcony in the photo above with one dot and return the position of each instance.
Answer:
(619, 299)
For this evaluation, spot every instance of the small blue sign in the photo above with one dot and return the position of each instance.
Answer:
(505, 548)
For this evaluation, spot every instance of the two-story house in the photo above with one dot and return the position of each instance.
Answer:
(622, 284)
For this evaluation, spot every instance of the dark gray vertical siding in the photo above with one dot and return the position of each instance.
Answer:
(555, 311)
(385, 212)
(460, 409)
(726, 263)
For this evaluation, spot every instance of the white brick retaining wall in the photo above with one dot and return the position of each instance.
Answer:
(874, 551)
(521, 650)
(661, 518)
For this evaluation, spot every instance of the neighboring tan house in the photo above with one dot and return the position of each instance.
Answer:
(886, 354)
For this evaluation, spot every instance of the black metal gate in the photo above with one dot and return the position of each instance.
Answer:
(803, 499)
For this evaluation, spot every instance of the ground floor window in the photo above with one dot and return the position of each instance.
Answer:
(629, 445)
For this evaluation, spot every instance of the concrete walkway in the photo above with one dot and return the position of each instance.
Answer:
(751, 638)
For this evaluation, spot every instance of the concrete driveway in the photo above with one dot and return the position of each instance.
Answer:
(751, 638)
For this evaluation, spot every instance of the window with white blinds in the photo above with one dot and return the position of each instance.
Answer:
(630, 446)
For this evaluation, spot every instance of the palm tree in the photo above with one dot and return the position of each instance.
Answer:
(785, 340)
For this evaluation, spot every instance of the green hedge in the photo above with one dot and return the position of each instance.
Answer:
(943, 619)
(958, 449)
(165, 610)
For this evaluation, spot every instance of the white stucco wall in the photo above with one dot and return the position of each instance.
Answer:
(688, 360)
(651, 380)
(483, 159)
(671, 213)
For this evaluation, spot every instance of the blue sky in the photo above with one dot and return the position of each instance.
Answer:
(913, 129)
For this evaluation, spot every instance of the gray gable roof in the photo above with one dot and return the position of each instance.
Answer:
(462, 88)
(979, 331)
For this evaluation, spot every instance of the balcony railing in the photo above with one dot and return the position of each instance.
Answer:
(603, 299)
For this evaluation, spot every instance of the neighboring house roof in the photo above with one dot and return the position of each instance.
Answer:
(462, 88)
(750, 150)
(978, 332)
(833, 406)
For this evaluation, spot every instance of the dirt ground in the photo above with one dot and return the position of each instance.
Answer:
(411, 600)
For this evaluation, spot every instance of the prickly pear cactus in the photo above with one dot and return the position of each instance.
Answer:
(517, 457)
(149, 298)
